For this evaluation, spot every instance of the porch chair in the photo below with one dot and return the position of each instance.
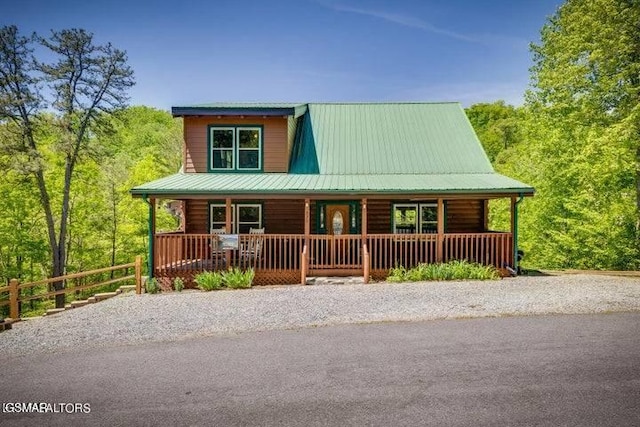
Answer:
(217, 254)
(253, 249)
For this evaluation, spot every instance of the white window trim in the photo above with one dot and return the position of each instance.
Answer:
(235, 148)
(235, 215)
(238, 149)
(418, 207)
(233, 145)
(249, 205)
(422, 221)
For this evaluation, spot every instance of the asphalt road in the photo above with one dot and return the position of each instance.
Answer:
(578, 370)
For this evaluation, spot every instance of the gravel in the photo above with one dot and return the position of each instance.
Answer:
(129, 319)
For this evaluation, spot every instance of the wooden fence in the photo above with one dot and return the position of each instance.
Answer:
(73, 283)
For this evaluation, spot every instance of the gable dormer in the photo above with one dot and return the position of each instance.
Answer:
(238, 138)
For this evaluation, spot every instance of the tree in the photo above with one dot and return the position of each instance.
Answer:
(497, 126)
(586, 77)
(83, 85)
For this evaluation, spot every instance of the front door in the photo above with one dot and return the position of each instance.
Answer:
(339, 250)
(338, 220)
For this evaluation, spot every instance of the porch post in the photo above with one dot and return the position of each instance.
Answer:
(307, 220)
(363, 221)
(307, 234)
(363, 230)
(514, 233)
(152, 236)
(227, 215)
(485, 214)
(440, 236)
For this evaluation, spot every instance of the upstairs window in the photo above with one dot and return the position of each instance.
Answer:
(235, 148)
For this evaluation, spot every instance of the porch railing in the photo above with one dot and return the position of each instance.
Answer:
(276, 256)
(330, 252)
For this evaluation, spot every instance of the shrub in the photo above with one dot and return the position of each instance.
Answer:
(453, 270)
(237, 279)
(209, 281)
(178, 284)
(151, 286)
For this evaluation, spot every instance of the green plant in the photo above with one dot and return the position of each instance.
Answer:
(453, 270)
(178, 284)
(236, 279)
(151, 286)
(397, 274)
(209, 280)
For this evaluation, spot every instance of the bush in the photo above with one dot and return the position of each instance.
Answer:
(237, 279)
(453, 270)
(178, 284)
(209, 281)
(151, 286)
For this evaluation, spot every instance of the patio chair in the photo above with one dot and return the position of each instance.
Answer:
(217, 254)
(252, 250)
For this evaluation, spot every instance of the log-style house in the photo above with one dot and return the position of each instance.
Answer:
(298, 190)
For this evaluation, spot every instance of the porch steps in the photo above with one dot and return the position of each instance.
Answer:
(335, 280)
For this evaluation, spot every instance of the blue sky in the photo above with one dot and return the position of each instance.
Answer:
(197, 51)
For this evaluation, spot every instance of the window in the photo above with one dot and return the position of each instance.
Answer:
(415, 218)
(235, 148)
(243, 217)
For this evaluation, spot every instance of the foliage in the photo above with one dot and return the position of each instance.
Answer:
(151, 286)
(209, 280)
(106, 225)
(235, 278)
(178, 284)
(579, 134)
(498, 126)
(453, 270)
(75, 90)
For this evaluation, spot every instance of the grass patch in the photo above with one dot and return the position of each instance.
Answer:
(453, 270)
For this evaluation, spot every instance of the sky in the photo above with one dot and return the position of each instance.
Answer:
(197, 51)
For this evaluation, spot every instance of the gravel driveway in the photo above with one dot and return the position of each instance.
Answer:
(130, 319)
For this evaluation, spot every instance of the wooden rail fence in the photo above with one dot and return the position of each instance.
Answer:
(15, 288)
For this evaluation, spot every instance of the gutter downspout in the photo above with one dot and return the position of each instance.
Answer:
(515, 232)
(149, 225)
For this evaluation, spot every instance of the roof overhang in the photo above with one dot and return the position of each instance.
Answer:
(266, 110)
(203, 185)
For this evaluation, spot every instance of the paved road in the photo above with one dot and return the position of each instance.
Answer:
(577, 370)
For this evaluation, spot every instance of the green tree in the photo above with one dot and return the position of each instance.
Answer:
(83, 84)
(497, 125)
(582, 132)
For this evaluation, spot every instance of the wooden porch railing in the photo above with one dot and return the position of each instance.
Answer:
(486, 248)
(329, 252)
(276, 256)
(392, 250)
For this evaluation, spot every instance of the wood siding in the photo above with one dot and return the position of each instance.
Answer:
(274, 140)
(197, 217)
(287, 216)
(465, 216)
(378, 216)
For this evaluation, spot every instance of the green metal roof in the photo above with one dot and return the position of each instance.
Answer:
(366, 148)
(388, 138)
(282, 183)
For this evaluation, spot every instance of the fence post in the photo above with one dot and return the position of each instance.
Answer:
(138, 274)
(14, 310)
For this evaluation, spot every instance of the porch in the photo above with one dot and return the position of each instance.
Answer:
(290, 258)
